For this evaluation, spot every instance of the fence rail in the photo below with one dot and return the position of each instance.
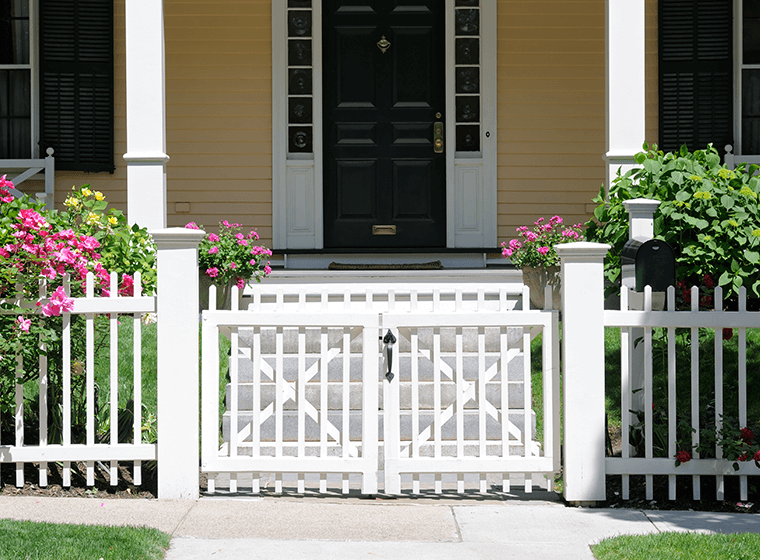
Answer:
(94, 447)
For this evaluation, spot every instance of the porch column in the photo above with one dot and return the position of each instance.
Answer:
(625, 84)
(146, 114)
(583, 369)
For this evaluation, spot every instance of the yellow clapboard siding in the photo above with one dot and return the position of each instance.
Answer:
(549, 160)
(219, 160)
(549, 45)
(241, 109)
(190, 185)
(253, 84)
(219, 172)
(560, 7)
(220, 123)
(508, 186)
(542, 172)
(225, 146)
(221, 195)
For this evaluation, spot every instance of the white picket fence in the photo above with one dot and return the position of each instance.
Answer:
(635, 325)
(91, 451)
(313, 370)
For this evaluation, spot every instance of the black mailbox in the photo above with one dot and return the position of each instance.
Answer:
(653, 263)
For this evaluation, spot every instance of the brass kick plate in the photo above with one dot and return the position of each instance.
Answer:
(383, 230)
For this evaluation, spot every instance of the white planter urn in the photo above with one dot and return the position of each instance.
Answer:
(537, 279)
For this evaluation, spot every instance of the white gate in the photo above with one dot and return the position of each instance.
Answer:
(304, 395)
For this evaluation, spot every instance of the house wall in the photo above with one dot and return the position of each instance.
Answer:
(218, 115)
(551, 95)
(551, 107)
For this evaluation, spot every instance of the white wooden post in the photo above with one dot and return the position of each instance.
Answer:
(146, 114)
(178, 406)
(625, 84)
(640, 227)
(583, 369)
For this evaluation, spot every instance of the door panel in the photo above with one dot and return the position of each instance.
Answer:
(379, 108)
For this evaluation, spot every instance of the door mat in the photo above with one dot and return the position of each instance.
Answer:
(433, 265)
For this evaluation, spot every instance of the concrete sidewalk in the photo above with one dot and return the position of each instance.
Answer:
(533, 527)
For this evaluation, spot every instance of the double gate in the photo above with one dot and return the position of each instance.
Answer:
(308, 397)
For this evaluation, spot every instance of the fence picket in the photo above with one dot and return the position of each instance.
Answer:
(137, 377)
(718, 337)
(43, 396)
(625, 392)
(648, 394)
(114, 376)
(742, 374)
(695, 426)
(672, 435)
(66, 382)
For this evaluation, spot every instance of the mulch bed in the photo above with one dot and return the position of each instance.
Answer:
(78, 489)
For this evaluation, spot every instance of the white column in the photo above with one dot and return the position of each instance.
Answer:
(146, 114)
(641, 217)
(625, 83)
(178, 406)
(583, 369)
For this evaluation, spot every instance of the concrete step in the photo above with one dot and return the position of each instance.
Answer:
(312, 429)
(313, 339)
(335, 395)
(470, 368)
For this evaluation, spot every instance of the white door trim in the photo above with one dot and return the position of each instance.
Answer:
(471, 192)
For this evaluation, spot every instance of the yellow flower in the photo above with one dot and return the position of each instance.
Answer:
(702, 194)
(92, 218)
(112, 221)
(99, 196)
(756, 232)
(733, 223)
(726, 174)
(72, 202)
(746, 191)
(695, 177)
(86, 192)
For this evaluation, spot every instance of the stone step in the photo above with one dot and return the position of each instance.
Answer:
(335, 395)
(470, 368)
(313, 339)
(312, 429)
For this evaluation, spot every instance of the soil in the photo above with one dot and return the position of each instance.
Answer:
(78, 489)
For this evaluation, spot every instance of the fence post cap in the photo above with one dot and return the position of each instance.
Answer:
(168, 237)
(582, 250)
(641, 205)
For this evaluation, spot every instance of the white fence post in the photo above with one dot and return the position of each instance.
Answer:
(640, 227)
(583, 369)
(178, 406)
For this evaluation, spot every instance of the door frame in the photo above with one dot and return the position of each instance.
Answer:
(471, 179)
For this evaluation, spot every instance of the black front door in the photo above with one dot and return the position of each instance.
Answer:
(384, 86)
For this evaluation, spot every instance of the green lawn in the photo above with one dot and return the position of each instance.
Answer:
(680, 546)
(46, 541)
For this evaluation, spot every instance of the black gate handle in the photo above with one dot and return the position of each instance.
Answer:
(389, 340)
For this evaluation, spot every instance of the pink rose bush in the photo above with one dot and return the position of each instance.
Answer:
(231, 256)
(536, 247)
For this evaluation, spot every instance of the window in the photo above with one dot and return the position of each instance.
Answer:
(57, 91)
(748, 78)
(16, 93)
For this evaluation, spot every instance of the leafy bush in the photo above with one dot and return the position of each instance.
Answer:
(709, 214)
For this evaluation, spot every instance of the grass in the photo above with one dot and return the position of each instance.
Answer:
(47, 541)
(679, 546)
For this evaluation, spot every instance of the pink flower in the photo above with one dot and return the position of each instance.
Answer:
(555, 220)
(543, 250)
(212, 272)
(268, 271)
(240, 283)
(239, 236)
(213, 250)
(127, 285)
(233, 266)
(243, 242)
(48, 273)
(683, 456)
(531, 236)
(213, 237)
(59, 302)
(225, 223)
(22, 323)
(89, 243)
(253, 235)
(191, 225)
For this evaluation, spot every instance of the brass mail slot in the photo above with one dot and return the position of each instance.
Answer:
(383, 230)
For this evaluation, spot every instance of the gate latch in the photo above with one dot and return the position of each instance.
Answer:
(389, 340)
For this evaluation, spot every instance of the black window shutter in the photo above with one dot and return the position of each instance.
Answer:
(76, 83)
(695, 73)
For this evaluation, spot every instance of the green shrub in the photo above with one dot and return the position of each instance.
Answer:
(709, 215)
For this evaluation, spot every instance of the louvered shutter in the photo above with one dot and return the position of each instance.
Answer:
(76, 83)
(696, 73)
